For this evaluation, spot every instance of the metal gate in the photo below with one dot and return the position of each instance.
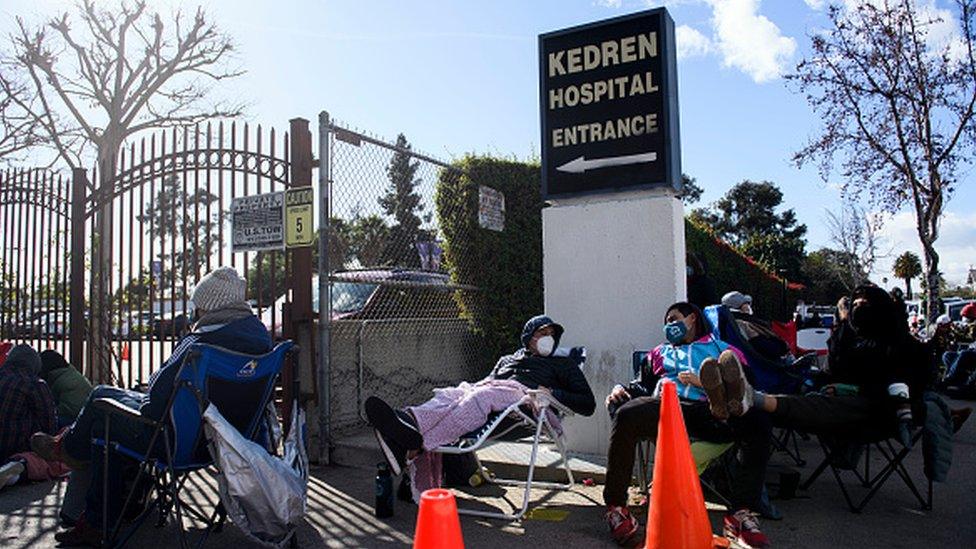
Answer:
(35, 220)
(102, 269)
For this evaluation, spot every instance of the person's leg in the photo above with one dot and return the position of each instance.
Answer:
(77, 440)
(821, 413)
(753, 433)
(634, 421)
(129, 434)
(73, 504)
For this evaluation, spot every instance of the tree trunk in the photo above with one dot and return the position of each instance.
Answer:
(100, 337)
(933, 303)
(908, 288)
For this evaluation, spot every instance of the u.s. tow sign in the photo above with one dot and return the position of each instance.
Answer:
(609, 101)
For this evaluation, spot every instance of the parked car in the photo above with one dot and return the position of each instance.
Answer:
(954, 308)
(380, 294)
(171, 326)
(137, 324)
(52, 324)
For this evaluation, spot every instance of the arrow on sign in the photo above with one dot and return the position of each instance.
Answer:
(581, 164)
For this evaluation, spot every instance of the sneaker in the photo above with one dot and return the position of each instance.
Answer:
(10, 473)
(738, 392)
(742, 527)
(50, 448)
(711, 380)
(623, 526)
(395, 435)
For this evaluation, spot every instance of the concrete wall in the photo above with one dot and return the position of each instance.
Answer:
(403, 360)
(611, 266)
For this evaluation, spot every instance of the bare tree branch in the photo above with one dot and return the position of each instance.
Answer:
(898, 112)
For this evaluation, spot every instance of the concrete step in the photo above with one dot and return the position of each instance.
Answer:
(504, 459)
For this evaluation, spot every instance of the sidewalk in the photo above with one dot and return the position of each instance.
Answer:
(341, 514)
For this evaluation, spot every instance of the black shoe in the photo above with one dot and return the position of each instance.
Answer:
(396, 436)
(404, 493)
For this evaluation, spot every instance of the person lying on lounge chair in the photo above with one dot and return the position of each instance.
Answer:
(455, 411)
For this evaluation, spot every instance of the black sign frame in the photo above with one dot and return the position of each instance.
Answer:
(609, 180)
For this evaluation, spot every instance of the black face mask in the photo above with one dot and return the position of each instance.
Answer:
(864, 319)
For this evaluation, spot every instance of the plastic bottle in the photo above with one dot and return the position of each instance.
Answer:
(384, 491)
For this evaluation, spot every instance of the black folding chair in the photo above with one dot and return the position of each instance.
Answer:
(893, 456)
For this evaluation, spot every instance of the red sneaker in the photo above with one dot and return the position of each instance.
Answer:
(742, 527)
(623, 526)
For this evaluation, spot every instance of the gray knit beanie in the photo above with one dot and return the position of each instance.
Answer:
(221, 287)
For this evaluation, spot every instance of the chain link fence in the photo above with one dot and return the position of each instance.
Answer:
(397, 330)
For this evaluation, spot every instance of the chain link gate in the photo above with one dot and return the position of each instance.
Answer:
(396, 330)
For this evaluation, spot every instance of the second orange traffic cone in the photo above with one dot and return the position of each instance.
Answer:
(676, 516)
(438, 525)
(125, 351)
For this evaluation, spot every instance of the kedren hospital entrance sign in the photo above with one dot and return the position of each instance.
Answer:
(609, 113)
(609, 106)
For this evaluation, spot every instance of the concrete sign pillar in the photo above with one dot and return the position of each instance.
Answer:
(612, 264)
(614, 233)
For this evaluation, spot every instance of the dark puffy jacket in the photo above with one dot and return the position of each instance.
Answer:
(561, 375)
(873, 349)
(246, 335)
(69, 387)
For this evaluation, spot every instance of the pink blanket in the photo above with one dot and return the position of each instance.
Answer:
(39, 468)
(453, 412)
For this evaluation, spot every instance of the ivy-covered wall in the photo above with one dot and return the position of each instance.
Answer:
(507, 265)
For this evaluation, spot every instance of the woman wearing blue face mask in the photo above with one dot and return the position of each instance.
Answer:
(695, 362)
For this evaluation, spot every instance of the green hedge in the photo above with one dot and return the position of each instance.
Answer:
(730, 270)
(507, 265)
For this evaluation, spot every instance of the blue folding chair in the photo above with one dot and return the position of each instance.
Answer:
(208, 375)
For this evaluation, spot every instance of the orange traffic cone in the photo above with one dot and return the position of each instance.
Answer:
(438, 525)
(676, 516)
(125, 351)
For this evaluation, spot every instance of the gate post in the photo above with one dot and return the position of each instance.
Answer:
(300, 279)
(76, 310)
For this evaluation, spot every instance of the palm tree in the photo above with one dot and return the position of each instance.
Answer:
(907, 266)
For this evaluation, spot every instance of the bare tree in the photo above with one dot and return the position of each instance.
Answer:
(856, 235)
(19, 131)
(897, 107)
(96, 77)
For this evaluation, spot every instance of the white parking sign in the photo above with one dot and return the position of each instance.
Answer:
(258, 222)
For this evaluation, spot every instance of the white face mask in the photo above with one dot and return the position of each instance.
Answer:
(544, 345)
(747, 309)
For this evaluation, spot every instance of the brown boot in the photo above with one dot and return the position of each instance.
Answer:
(50, 448)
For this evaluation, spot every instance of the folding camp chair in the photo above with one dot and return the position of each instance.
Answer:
(770, 376)
(892, 456)
(527, 417)
(208, 374)
(704, 453)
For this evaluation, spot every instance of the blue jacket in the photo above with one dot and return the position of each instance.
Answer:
(246, 335)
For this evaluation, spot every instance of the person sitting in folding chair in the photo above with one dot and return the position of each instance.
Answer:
(877, 372)
(225, 320)
(697, 362)
(403, 434)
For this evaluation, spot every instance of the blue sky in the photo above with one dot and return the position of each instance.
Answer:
(459, 77)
